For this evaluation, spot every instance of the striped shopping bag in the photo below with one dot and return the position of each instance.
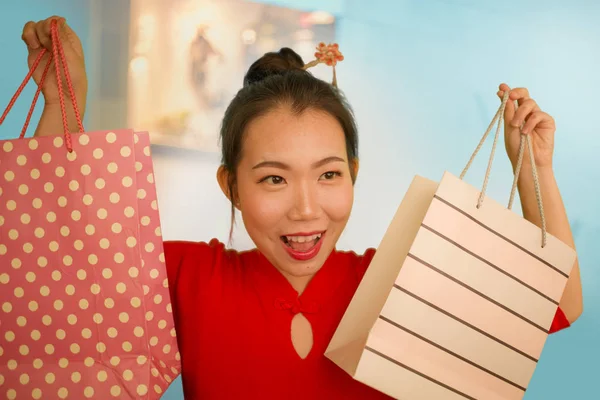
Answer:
(458, 301)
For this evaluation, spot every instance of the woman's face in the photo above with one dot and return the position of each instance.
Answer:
(294, 188)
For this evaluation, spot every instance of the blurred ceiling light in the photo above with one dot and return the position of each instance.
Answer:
(321, 18)
(138, 65)
(249, 36)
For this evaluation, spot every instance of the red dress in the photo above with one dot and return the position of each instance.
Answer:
(233, 313)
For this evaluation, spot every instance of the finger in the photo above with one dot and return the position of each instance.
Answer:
(537, 118)
(42, 30)
(65, 30)
(509, 109)
(502, 88)
(519, 94)
(68, 35)
(29, 36)
(524, 111)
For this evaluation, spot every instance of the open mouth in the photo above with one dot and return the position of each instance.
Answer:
(302, 243)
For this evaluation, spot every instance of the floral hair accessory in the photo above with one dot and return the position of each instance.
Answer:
(328, 54)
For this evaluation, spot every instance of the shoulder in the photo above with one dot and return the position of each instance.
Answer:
(355, 261)
(199, 260)
(178, 252)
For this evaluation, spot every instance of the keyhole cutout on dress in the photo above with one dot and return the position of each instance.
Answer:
(302, 335)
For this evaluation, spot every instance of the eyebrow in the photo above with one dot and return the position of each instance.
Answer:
(281, 165)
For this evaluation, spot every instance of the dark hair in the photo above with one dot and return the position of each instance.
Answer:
(278, 79)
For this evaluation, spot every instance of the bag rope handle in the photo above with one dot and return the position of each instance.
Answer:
(525, 142)
(57, 55)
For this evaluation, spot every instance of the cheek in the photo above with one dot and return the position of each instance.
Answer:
(260, 211)
(337, 202)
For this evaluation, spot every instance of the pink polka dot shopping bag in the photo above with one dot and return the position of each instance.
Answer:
(85, 307)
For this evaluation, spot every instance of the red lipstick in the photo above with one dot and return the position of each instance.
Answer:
(304, 255)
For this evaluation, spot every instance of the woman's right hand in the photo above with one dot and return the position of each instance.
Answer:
(37, 37)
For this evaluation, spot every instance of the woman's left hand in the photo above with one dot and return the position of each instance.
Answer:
(535, 122)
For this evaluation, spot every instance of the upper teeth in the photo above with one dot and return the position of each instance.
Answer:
(302, 239)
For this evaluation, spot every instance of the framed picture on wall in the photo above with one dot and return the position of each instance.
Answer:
(187, 60)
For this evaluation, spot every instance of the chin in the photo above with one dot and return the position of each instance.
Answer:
(301, 270)
(297, 266)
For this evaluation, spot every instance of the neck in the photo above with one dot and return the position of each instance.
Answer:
(299, 283)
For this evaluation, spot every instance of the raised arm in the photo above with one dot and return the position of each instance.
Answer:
(36, 36)
(541, 127)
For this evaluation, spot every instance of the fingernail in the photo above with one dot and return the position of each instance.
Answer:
(515, 123)
(524, 131)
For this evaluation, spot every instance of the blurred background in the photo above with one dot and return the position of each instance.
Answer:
(421, 75)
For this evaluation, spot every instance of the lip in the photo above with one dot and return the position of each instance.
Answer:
(306, 255)
(303, 233)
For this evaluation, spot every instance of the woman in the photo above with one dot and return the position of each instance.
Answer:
(255, 324)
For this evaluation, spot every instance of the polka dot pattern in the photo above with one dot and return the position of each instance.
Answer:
(82, 269)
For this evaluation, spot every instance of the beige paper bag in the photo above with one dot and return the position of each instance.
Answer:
(459, 298)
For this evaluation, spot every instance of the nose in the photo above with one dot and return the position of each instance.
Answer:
(305, 204)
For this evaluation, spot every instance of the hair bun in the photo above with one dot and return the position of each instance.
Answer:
(273, 63)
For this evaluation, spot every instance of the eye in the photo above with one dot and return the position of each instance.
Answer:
(273, 180)
(329, 175)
